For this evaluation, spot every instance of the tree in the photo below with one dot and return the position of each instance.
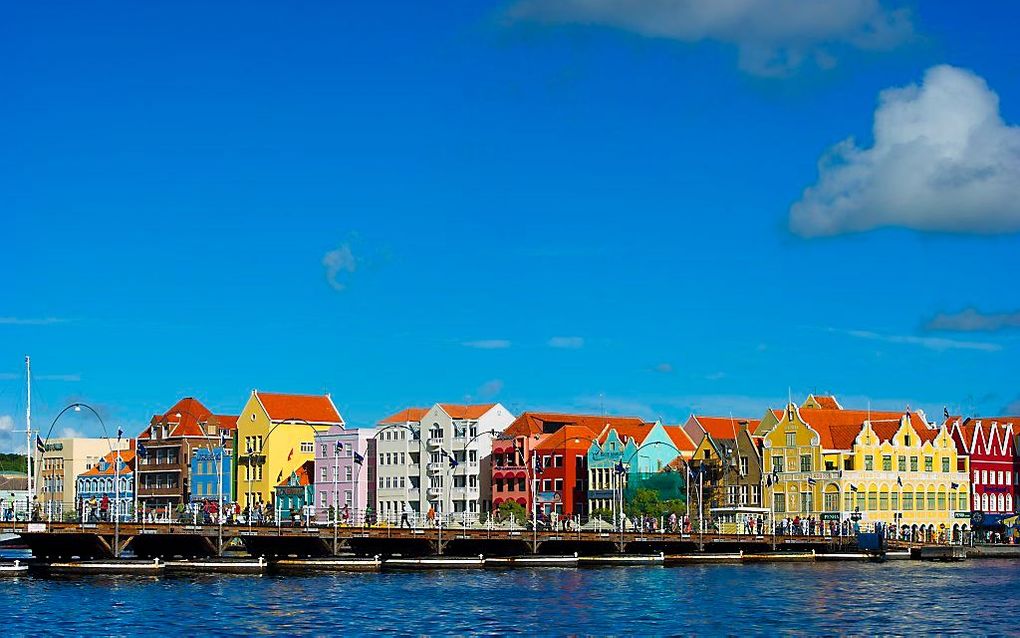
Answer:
(604, 513)
(645, 502)
(511, 510)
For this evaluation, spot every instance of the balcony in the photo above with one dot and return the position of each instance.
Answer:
(908, 477)
(436, 467)
(435, 492)
(158, 491)
(434, 442)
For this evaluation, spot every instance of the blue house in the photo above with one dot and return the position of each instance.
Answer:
(297, 492)
(210, 466)
(107, 484)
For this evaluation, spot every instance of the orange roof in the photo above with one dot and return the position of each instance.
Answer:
(568, 438)
(626, 431)
(466, 411)
(191, 413)
(225, 421)
(406, 415)
(724, 427)
(680, 438)
(531, 423)
(305, 474)
(838, 428)
(314, 408)
(127, 456)
(826, 402)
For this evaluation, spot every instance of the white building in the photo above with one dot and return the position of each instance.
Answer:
(437, 458)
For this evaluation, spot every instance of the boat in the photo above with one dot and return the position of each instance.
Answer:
(338, 564)
(435, 562)
(683, 559)
(13, 569)
(216, 566)
(531, 561)
(130, 567)
(621, 559)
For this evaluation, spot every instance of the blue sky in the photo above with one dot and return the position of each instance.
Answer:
(561, 205)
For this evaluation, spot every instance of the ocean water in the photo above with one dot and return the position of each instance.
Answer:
(895, 598)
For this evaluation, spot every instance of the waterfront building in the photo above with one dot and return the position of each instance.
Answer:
(63, 459)
(166, 449)
(990, 443)
(276, 436)
(562, 471)
(295, 493)
(728, 466)
(111, 478)
(398, 451)
(14, 497)
(439, 459)
(212, 472)
(889, 467)
(344, 478)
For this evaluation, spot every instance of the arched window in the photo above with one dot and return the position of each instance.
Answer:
(984, 502)
(1009, 502)
(1002, 502)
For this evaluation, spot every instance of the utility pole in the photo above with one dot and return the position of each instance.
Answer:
(28, 439)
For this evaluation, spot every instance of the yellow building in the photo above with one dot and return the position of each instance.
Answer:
(889, 467)
(275, 436)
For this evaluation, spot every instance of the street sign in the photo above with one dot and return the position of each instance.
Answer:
(961, 515)
(830, 516)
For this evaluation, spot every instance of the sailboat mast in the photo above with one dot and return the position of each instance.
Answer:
(28, 434)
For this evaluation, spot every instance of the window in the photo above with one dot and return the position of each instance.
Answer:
(805, 462)
(945, 463)
(743, 466)
(919, 501)
(777, 464)
(323, 448)
(557, 484)
(779, 502)
(806, 504)
(832, 501)
(347, 472)
(942, 501)
(887, 463)
(791, 439)
(977, 477)
(963, 501)
(872, 501)
(901, 463)
(931, 501)
(869, 462)
(928, 461)
(323, 473)
(883, 501)
(895, 501)
(913, 464)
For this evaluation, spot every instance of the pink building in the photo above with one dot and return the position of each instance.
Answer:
(345, 474)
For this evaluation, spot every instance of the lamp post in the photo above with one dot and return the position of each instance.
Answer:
(336, 501)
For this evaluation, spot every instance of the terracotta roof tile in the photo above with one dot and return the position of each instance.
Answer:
(532, 423)
(720, 427)
(126, 456)
(575, 438)
(314, 408)
(406, 415)
(680, 438)
(466, 411)
(305, 474)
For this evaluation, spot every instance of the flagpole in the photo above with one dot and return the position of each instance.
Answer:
(116, 500)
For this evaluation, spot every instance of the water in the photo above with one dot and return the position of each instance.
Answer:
(899, 598)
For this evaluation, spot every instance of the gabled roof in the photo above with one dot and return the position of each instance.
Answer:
(126, 456)
(314, 408)
(987, 435)
(823, 402)
(305, 475)
(532, 423)
(626, 431)
(466, 411)
(720, 427)
(407, 415)
(838, 429)
(191, 414)
(680, 438)
(225, 421)
(576, 438)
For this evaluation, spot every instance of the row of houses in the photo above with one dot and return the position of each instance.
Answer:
(288, 452)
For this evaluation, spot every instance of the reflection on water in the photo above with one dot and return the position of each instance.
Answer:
(901, 597)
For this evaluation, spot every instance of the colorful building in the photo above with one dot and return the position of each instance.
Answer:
(990, 442)
(275, 437)
(728, 465)
(212, 473)
(562, 471)
(63, 460)
(166, 448)
(345, 474)
(111, 479)
(295, 493)
(889, 467)
(398, 451)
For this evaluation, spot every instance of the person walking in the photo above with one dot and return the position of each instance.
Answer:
(431, 516)
(405, 513)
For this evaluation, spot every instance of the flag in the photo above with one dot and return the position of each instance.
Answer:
(538, 464)
(853, 488)
(358, 458)
(223, 438)
(945, 412)
(955, 486)
(279, 476)
(39, 445)
(140, 449)
(899, 481)
(768, 480)
(620, 469)
(120, 432)
(339, 447)
(811, 481)
(291, 454)
(453, 461)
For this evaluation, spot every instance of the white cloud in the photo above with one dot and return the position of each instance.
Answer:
(571, 343)
(490, 388)
(337, 262)
(970, 320)
(10, 439)
(488, 344)
(942, 160)
(30, 321)
(932, 343)
(71, 433)
(772, 37)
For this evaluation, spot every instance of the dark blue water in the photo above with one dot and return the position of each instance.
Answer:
(898, 598)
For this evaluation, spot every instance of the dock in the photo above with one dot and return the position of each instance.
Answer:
(216, 566)
(313, 565)
(531, 561)
(940, 553)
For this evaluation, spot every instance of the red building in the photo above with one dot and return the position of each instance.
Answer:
(991, 444)
(562, 482)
